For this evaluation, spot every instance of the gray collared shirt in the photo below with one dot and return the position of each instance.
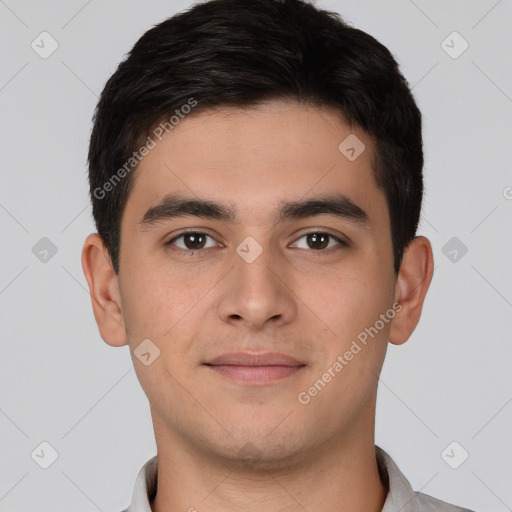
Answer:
(400, 498)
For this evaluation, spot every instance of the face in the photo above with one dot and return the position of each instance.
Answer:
(270, 277)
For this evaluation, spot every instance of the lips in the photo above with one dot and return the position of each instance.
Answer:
(255, 369)
(252, 359)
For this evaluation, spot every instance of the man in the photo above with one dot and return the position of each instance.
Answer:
(256, 181)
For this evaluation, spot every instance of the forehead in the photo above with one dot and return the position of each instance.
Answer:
(258, 157)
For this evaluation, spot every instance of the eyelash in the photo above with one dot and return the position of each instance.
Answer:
(195, 252)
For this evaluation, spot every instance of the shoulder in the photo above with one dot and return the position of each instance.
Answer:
(428, 503)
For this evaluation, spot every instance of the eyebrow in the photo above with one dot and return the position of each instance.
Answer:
(175, 206)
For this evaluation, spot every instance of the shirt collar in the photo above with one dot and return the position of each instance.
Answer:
(400, 495)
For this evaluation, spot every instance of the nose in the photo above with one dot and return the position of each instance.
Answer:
(257, 292)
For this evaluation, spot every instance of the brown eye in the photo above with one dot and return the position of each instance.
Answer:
(319, 241)
(194, 240)
(191, 241)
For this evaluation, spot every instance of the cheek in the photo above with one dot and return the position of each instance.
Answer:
(348, 299)
(147, 302)
(158, 299)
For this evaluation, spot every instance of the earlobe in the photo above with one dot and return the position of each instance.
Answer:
(103, 287)
(411, 287)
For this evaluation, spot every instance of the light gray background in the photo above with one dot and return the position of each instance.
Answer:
(60, 383)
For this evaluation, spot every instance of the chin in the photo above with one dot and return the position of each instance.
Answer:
(251, 458)
(255, 450)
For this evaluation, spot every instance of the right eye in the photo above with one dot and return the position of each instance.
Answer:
(192, 241)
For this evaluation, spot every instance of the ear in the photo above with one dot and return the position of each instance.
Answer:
(103, 287)
(411, 287)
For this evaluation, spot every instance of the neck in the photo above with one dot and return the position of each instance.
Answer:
(343, 475)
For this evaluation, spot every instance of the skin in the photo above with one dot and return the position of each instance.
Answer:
(293, 299)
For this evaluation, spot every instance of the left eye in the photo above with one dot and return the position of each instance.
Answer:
(320, 241)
